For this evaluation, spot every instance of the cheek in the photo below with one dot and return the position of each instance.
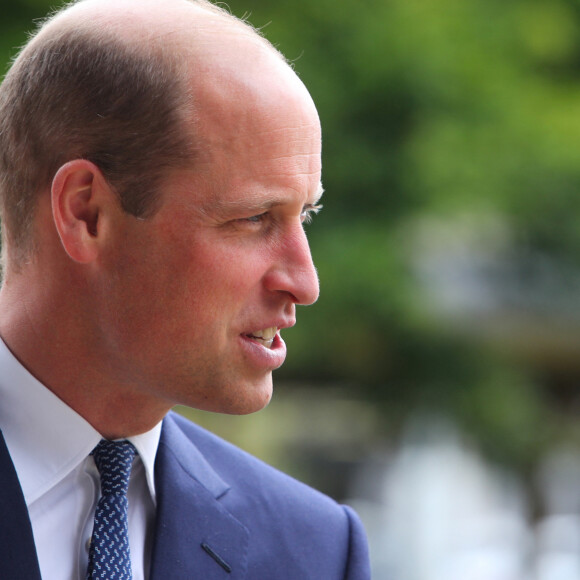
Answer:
(202, 278)
(231, 269)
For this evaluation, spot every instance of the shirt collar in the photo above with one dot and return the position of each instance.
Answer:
(146, 445)
(46, 438)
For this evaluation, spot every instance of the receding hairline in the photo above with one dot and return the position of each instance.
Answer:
(188, 41)
(189, 26)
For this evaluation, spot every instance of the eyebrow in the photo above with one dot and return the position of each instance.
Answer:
(318, 195)
(247, 204)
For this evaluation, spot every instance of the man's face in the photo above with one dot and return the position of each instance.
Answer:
(198, 294)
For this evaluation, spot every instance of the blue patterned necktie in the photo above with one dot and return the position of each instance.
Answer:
(109, 557)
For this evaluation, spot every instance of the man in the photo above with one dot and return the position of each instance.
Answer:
(158, 160)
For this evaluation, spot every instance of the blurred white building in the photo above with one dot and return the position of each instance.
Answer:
(446, 514)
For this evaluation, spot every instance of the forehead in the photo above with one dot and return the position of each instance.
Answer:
(253, 166)
(256, 124)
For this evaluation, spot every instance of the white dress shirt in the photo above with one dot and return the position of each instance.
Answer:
(50, 445)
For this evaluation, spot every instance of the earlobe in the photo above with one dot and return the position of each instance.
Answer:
(77, 204)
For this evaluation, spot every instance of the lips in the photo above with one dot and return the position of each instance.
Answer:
(265, 337)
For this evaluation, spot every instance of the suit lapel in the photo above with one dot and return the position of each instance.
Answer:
(195, 536)
(17, 550)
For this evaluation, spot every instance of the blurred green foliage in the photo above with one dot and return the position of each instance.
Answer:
(433, 110)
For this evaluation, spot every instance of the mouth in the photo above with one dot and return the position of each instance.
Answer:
(264, 337)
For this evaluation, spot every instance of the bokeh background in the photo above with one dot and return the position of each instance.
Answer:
(435, 384)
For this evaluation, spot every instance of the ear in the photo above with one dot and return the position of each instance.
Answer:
(80, 198)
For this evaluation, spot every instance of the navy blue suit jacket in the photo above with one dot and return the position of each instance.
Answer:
(221, 514)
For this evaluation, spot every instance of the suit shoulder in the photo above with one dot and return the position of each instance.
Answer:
(239, 467)
(283, 516)
(266, 492)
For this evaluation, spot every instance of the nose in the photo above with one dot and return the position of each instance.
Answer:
(293, 271)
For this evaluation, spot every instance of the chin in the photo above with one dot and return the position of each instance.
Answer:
(238, 399)
(252, 402)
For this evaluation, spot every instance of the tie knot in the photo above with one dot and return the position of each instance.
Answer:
(113, 460)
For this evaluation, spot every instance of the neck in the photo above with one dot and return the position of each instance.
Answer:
(68, 360)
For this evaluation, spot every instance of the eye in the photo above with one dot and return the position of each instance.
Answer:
(252, 220)
(255, 219)
(309, 211)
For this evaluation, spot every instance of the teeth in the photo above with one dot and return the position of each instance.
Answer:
(265, 337)
(268, 333)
